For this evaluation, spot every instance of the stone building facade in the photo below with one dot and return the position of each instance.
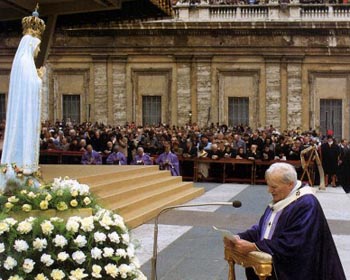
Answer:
(289, 65)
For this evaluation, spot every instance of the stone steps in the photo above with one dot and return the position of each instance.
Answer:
(137, 193)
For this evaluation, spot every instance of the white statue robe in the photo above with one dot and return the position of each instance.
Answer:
(22, 132)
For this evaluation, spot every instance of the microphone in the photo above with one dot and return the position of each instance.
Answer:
(235, 204)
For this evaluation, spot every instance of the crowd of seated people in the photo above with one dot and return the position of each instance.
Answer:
(235, 142)
(133, 144)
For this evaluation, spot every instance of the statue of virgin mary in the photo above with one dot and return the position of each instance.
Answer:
(22, 131)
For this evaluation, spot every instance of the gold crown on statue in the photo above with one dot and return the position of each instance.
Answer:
(33, 25)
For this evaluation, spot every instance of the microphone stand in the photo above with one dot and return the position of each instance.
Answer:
(235, 204)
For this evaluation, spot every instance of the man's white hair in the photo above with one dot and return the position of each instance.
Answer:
(285, 170)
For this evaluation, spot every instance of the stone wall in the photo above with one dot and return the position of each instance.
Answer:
(204, 109)
(294, 100)
(119, 92)
(273, 95)
(101, 89)
(183, 84)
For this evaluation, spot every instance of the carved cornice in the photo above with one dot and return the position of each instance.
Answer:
(215, 29)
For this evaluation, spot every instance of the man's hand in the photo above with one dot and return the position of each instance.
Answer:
(239, 245)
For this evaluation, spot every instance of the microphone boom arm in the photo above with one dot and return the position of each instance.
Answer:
(235, 204)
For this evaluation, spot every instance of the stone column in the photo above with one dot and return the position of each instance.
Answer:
(204, 91)
(294, 101)
(109, 90)
(183, 88)
(119, 90)
(100, 89)
(273, 91)
(45, 98)
(284, 94)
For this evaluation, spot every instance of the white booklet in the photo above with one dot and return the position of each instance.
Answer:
(225, 233)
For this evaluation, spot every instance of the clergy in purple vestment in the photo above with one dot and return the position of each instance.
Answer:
(141, 158)
(91, 156)
(168, 161)
(117, 157)
(293, 230)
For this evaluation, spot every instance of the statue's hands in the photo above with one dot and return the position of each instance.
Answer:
(41, 72)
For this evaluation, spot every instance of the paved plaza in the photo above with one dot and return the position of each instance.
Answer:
(189, 248)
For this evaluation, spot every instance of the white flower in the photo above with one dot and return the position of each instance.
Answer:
(96, 271)
(41, 276)
(56, 219)
(10, 263)
(46, 259)
(73, 224)
(30, 220)
(87, 201)
(140, 276)
(44, 204)
(114, 237)
(84, 189)
(2, 248)
(28, 265)
(16, 277)
(108, 252)
(96, 253)
(4, 227)
(47, 227)
(124, 270)
(126, 238)
(119, 222)
(80, 241)
(78, 274)
(106, 221)
(57, 274)
(21, 246)
(60, 241)
(62, 256)
(13, 199)
(74, 193)
(40, 244)
(31, 195)
(79, 257)
(100, 237)
(24, 227)
(121, 253)
(112, 270)
(135, 261)
(87, 224)
(10, 221)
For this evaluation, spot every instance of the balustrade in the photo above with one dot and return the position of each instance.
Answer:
(234, 10)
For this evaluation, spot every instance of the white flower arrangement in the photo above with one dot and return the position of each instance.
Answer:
(95, 247)
(41, 248)
(62, 194)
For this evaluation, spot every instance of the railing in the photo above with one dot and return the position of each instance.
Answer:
(220, 170)
(231, 169)
(284, 12)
